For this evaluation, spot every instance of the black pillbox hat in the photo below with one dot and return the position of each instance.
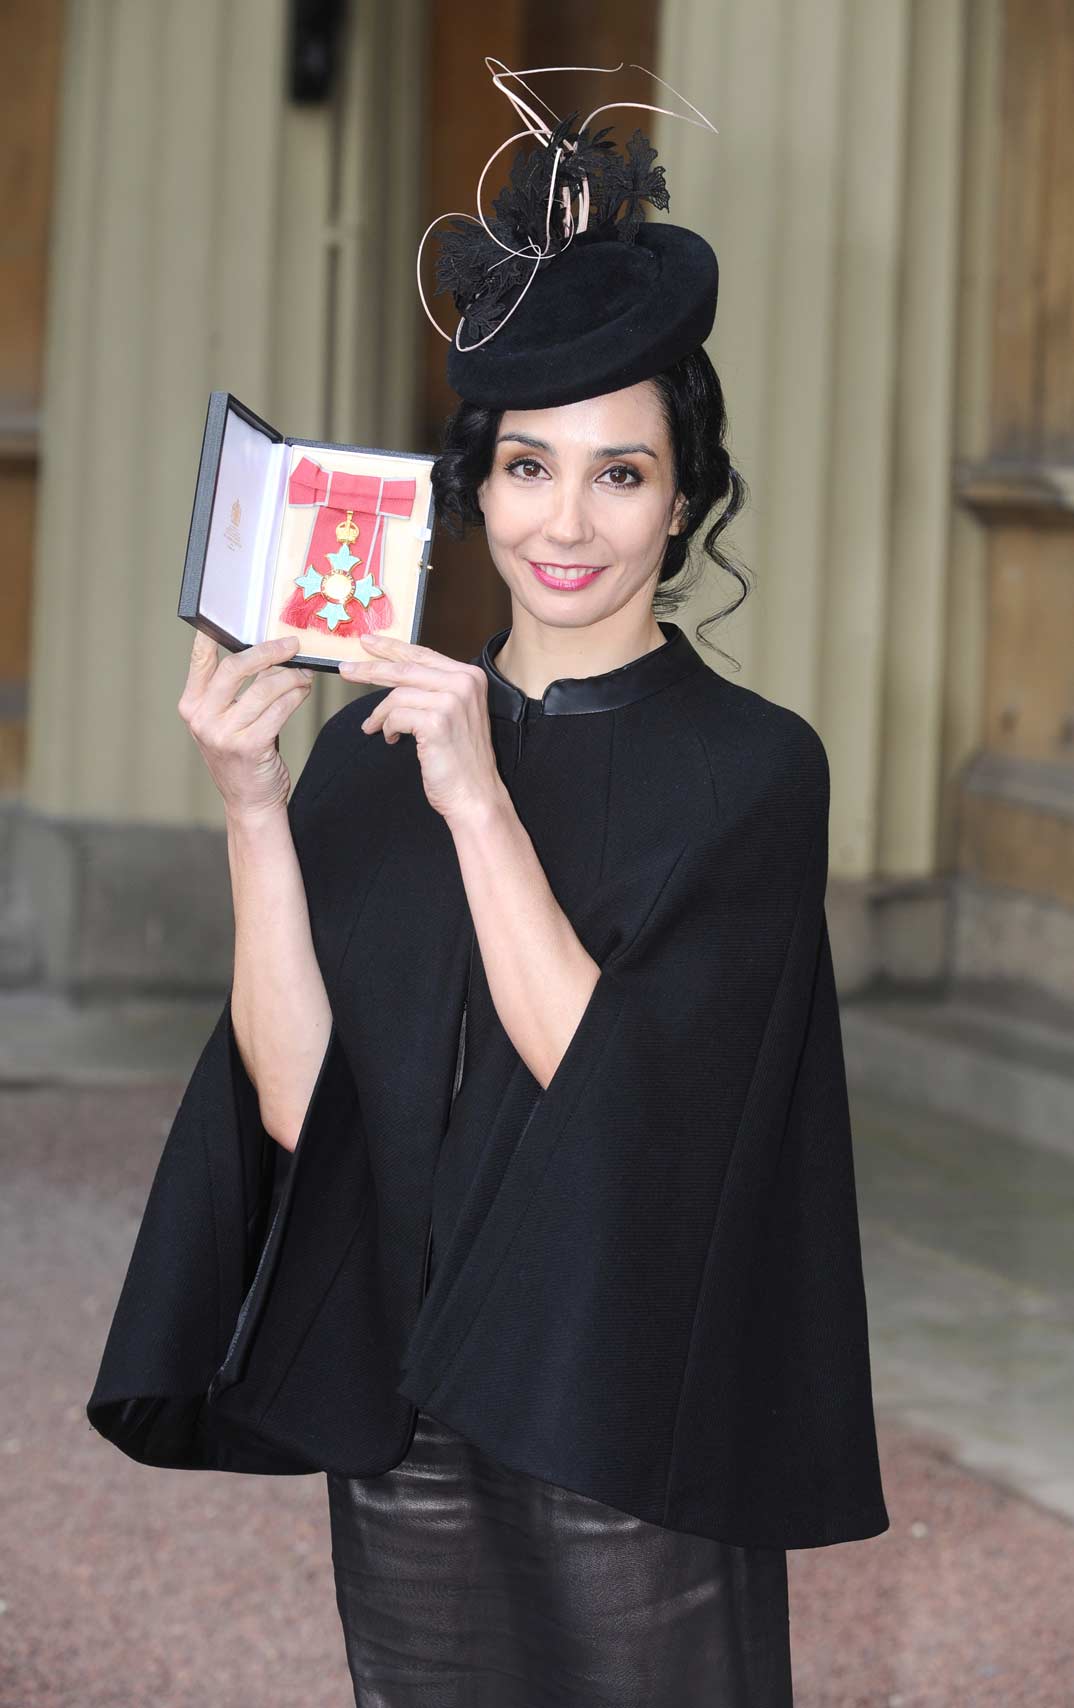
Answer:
(602, 315)
(568, 292)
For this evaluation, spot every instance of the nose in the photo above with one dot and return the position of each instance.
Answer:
(566, 522)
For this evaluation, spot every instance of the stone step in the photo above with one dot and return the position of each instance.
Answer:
(1005, 1062)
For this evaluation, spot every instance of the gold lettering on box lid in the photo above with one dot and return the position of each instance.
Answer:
(231, 533)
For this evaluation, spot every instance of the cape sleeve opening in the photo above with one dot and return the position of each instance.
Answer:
(221, 1184)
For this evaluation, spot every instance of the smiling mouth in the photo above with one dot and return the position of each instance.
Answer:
(566, 572)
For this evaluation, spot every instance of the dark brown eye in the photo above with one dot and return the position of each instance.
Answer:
(624, 468)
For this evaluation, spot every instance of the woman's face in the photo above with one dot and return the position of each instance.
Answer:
(586, 484)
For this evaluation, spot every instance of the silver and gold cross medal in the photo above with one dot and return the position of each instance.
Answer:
(339, 586)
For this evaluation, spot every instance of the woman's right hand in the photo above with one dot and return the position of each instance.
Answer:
(238, 733)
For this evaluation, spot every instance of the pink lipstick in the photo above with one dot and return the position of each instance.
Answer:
(546, 574)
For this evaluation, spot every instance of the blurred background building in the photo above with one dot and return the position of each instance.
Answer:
(230, 193)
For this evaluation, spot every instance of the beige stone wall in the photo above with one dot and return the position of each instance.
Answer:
(849, 195)
(207, 233)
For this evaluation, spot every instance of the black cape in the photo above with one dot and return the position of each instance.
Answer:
(642, 1283)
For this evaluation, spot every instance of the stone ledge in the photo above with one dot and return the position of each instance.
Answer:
(98, 910)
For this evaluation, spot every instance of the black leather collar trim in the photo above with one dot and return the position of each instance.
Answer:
(604, 693)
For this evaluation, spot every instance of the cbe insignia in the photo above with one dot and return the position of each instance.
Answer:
(346, 596)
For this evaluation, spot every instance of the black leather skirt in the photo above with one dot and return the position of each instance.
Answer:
(463, 1584)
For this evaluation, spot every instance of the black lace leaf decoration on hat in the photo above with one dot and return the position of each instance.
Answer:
(484, 278)
(642, 182)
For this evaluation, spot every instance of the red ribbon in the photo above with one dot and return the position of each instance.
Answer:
(372, 502)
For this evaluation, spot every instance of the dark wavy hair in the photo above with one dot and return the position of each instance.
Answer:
(693, 405)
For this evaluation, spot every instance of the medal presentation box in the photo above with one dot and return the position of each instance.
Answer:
(299, 536)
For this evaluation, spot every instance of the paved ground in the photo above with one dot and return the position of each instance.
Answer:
(124, 1587)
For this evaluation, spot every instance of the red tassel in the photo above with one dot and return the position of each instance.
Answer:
(303, 613)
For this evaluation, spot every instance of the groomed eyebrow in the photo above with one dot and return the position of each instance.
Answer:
(605, 451)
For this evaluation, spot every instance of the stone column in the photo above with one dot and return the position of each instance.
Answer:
(834, 196)
(208, 233)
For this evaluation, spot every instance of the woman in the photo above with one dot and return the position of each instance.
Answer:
(520, 1156)
(526, 1591)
